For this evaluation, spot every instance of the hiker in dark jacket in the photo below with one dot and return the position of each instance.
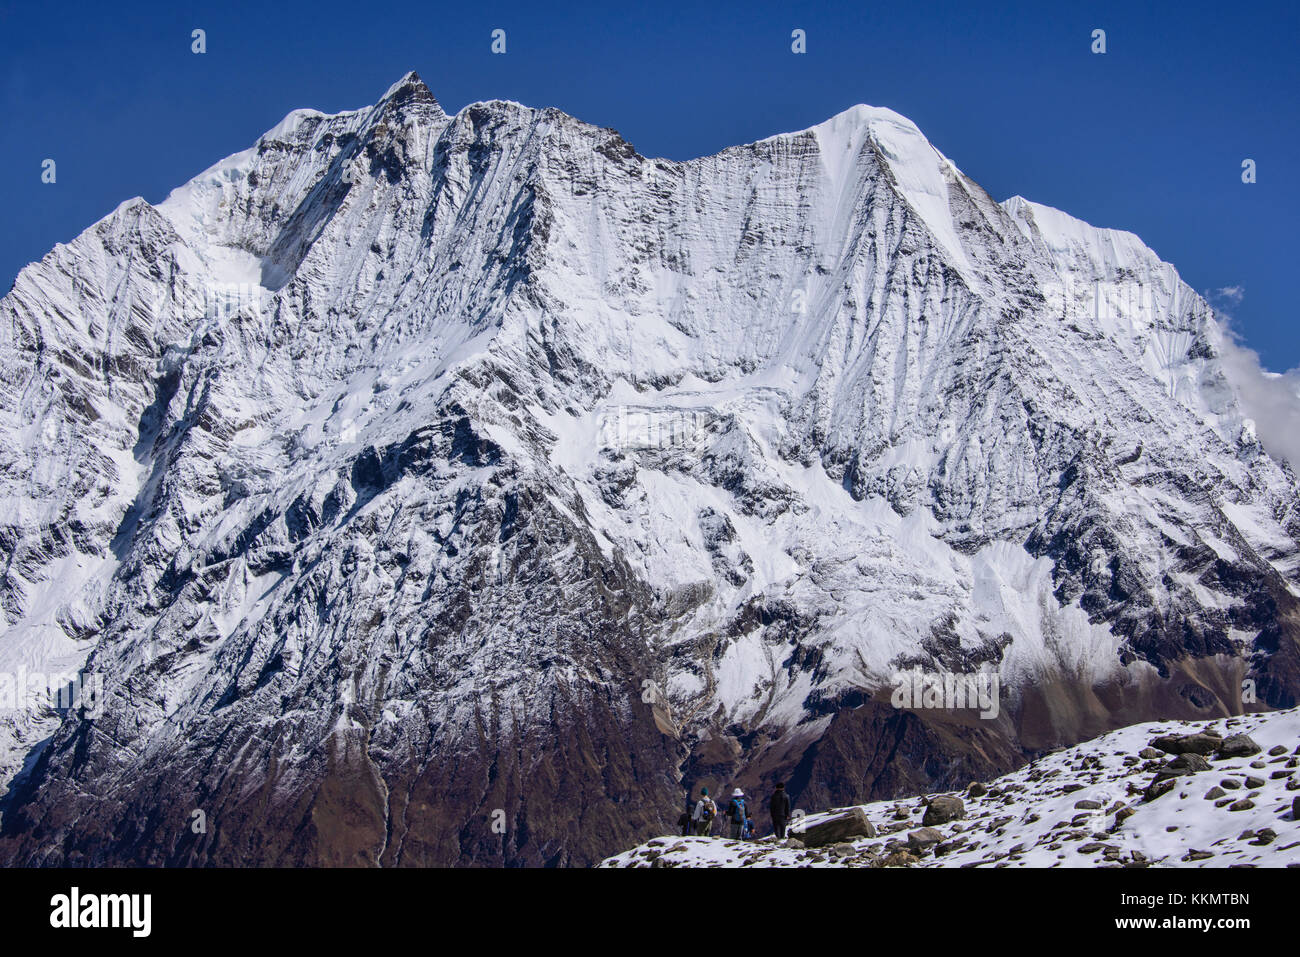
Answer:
(779, 807)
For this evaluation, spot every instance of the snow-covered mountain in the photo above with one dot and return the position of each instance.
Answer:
(1115, 801)
(436, 489)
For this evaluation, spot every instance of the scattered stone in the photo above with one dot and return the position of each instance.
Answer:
(977, 790)
(1277, 749)
(1093, 847)
(1245, 804)
(1195, 855)
(1088, 805)
(1254, 782)
(1230, 783)
(1150, 753)
(1214, 793)
(1264, 836)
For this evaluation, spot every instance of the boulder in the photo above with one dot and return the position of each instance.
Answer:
(1187, 763)
(1158, 787)
(846, 825)
(899, 859)
(943, 808)
(1202, 744)
(920, 841)
(1236, 746)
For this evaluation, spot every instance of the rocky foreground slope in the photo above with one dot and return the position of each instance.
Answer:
(1163, 794)
(434, 489)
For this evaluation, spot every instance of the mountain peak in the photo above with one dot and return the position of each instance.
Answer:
(410, 89)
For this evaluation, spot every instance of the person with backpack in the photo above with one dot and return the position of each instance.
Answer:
(737, 814)
(779, 807)
(705, 812)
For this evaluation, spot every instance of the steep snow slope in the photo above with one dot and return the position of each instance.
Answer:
(1086, 806)
(385, 454)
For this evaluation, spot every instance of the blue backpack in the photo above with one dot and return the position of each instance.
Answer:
(738, 810)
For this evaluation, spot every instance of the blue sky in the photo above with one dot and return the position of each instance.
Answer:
(1148, 137)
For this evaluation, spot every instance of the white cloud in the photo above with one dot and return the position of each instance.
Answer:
(1272, 399)
(1230, 293)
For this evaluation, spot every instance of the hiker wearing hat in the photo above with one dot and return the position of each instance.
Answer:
(705, 812)
(737, 814)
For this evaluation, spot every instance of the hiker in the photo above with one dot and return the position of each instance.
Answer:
(779, 807)
(684, 824)
(737, 814)
(705, 812)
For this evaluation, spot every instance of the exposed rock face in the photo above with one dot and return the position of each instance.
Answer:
(435, 489)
